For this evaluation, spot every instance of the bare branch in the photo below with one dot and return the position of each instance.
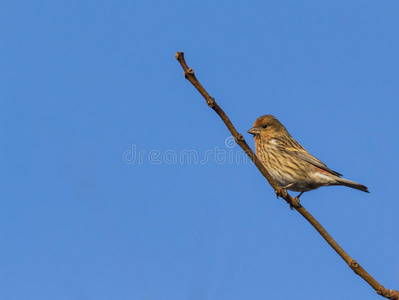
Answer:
(280, 192)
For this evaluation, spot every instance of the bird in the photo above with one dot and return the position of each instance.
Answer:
(290, 165)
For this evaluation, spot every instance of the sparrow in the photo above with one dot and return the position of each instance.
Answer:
(290, 165)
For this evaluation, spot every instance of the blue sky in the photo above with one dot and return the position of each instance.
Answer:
(86, 85)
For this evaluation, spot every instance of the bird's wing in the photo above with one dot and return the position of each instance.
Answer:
(304, 155)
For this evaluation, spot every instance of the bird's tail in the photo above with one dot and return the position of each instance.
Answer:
(352, 184)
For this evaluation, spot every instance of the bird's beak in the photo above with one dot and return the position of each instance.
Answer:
(254, 131)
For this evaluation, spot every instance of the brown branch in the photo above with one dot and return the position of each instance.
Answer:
(294, 202)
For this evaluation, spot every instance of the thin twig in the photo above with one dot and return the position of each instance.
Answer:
(280, 192)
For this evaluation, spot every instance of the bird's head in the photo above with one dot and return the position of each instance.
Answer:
(266, 127)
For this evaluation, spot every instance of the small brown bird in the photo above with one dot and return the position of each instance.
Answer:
(290, 165)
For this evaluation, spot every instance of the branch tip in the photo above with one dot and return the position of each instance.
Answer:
(178, 54)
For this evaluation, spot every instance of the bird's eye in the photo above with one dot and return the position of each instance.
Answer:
(264, 126)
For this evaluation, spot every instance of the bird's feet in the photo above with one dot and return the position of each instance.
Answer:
(294, 202)
(282, 192)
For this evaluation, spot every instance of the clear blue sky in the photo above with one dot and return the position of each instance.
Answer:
(84, 85)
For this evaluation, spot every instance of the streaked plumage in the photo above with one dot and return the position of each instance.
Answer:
(290, 165)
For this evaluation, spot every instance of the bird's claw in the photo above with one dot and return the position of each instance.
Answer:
(282, 192)
(294, 202)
